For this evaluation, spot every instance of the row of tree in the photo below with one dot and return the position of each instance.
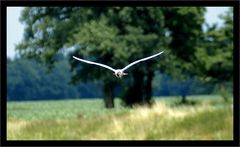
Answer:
(119, 35)
(30, 80)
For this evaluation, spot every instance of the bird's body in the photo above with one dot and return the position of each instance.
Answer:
(118, 72)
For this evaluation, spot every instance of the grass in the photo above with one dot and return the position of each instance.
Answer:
(59, 109)
(209, 119)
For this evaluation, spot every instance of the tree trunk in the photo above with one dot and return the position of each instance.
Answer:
(148, 88)
(109, 94)
(184, 98)
(134, 94)
(108, 100)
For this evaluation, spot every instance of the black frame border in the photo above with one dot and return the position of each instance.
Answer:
(3, 79)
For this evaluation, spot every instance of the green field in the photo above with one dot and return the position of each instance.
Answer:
(210, 118)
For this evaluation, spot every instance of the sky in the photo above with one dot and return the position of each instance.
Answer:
(15, 29)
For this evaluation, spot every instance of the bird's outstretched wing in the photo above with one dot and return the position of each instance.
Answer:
(99, 64)
(144, 59)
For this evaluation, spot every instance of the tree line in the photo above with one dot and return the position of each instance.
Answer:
(28, 79)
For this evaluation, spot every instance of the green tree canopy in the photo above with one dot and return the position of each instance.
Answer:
(117, 36)
(215, 53)
(214, 56)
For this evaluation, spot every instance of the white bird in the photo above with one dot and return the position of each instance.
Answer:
(118, 72)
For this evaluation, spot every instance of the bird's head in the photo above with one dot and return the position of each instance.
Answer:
(119, 73)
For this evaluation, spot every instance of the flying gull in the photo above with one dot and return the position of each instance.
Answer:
(118, 72)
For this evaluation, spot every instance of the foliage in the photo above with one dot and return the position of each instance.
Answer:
(185, 28)
(107, 35)
(117, 36)
(30, 80)
(214, 56)
(166, 85)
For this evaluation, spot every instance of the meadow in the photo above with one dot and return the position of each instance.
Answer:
(208, 118)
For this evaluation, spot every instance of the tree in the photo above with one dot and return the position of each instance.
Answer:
(185, 28)
(115, 36)
(100, 47)
(215, 54)
(30, 80)
(111, 35)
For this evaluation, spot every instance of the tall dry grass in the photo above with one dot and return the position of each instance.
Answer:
(161, 122)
